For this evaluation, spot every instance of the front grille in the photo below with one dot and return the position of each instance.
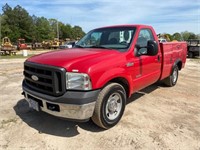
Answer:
(45, 79)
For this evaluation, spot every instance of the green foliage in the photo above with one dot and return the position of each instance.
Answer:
(43, 29)
(183, 36)
(177, 36)
(17, 23)
(77, 32)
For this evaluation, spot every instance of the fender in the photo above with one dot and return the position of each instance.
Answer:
(113, 74)
(178, 62)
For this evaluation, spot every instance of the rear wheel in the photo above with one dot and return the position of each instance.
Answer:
(110, 106)
(172, 79)
(190, 55)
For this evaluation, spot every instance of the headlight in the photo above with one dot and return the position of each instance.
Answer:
(78, 81)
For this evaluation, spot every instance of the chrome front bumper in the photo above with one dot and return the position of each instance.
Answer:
(69, 111)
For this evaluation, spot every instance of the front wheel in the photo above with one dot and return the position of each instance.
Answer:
(172, 79)
(110, 106)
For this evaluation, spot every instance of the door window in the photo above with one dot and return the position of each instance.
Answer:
(144, 36)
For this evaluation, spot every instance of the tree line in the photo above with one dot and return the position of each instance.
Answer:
(183, 36)
(17, 23)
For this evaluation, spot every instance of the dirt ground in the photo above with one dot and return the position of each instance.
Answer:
(157, 117)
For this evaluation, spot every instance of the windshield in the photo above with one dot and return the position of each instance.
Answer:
(118, 38)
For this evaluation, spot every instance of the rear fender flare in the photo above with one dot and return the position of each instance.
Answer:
(176, 63)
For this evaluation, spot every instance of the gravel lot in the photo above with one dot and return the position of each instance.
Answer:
(157, 117)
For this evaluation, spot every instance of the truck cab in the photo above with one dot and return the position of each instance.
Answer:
(95, 78)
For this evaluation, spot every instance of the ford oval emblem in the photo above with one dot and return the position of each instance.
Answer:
(34, 77)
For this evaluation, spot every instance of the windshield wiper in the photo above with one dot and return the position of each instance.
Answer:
(96, 46)
(78, 46)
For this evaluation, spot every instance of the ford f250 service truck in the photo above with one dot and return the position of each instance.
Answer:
(96, 77)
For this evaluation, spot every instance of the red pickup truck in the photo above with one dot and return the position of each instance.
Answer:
(96, 77)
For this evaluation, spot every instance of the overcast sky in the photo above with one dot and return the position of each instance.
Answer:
(167, 16)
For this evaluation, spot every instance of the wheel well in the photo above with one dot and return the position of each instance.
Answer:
(179, 64)
(124, 83)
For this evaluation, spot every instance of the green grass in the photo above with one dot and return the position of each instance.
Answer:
(14, 56)
(14, 120)
(4, 122)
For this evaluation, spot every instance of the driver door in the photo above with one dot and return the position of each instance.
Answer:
(149, 66)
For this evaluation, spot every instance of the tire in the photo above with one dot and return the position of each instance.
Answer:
(190, 55)
(172, 79)
(109, 106)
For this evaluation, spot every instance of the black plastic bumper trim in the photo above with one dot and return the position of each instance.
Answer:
(69, 97)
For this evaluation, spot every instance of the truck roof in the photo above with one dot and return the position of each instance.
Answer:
(127, 25)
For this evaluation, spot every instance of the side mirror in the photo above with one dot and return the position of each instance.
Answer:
(152, 48)
(140, 50)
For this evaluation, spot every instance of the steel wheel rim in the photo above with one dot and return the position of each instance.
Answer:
(174, 75)
(113, 106)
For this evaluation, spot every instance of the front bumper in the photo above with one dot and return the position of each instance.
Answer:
(72, 105)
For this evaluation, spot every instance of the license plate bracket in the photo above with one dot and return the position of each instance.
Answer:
(33, 104)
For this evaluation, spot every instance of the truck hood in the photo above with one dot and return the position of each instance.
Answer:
(75, 59)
